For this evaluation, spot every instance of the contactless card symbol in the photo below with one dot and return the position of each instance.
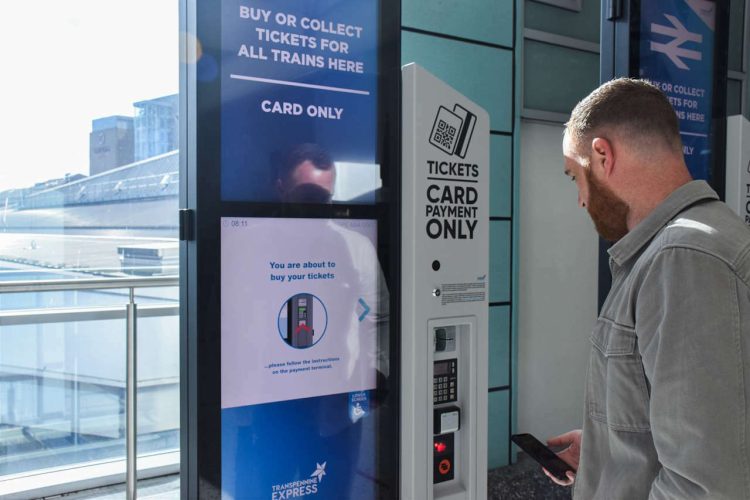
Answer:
(452, 130)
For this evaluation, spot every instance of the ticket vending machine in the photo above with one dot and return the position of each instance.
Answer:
(290, 249)
(321, 355)
(445, 259)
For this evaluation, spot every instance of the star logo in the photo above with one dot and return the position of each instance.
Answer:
(320, 471)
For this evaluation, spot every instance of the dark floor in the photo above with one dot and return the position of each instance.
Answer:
(524, 481)
(521, 481)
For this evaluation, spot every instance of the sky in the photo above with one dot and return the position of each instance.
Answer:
(65, 63)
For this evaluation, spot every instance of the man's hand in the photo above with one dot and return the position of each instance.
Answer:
(571, 454)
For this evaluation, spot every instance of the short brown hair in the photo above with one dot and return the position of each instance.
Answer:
(636, 108)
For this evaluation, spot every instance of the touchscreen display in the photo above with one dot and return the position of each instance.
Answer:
(302, 311)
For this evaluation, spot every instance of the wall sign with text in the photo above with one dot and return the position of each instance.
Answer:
(676, 52)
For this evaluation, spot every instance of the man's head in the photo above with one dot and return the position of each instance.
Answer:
(622, 148)
(306, 175)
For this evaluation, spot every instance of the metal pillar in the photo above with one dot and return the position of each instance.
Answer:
(131, 431)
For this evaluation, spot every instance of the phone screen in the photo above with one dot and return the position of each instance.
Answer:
(543, 455)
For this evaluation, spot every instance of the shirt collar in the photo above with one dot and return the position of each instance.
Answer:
(640, 235)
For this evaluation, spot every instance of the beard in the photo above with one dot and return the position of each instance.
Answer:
(608, 212)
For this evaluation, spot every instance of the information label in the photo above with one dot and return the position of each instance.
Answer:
(676, 53)
(299, 84)
(299, 308)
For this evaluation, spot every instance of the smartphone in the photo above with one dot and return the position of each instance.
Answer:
(543, 455)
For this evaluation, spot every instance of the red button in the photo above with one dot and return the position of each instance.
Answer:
(444, 467)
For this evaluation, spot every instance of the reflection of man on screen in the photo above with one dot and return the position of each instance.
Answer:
(306, 174)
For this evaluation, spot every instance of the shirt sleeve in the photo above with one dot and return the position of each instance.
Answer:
(687, 322)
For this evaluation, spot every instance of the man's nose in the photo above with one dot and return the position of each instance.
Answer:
(581, 203)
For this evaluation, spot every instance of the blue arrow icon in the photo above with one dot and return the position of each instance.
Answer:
(365, 307)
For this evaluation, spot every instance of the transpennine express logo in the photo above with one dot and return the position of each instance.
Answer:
(320, 471)
(297, 489)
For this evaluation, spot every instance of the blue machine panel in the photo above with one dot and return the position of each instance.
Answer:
(320, 453)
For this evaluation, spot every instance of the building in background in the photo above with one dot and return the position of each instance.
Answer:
(156, 126)
(120, 140)
(110, 143)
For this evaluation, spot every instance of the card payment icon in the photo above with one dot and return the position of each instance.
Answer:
(452, 130)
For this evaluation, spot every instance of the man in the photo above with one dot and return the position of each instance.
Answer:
(667, 411)
(306, 175)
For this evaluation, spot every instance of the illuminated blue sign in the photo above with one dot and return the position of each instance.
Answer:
(676, 53)
(299, 80)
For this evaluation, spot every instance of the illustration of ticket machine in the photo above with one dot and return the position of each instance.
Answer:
(299, 331)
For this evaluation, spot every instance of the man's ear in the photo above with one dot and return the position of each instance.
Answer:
(602, 156)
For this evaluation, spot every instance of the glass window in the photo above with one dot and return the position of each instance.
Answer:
(89, 191)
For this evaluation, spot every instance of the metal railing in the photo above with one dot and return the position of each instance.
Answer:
(131, 312)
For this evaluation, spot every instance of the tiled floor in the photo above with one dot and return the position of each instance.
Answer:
(521, 481)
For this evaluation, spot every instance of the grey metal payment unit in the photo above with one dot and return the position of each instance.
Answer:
(445, 260)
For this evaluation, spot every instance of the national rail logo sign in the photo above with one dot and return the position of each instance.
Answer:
(676, 49)
(452, 130)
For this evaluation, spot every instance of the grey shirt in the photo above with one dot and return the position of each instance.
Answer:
(668, 383)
